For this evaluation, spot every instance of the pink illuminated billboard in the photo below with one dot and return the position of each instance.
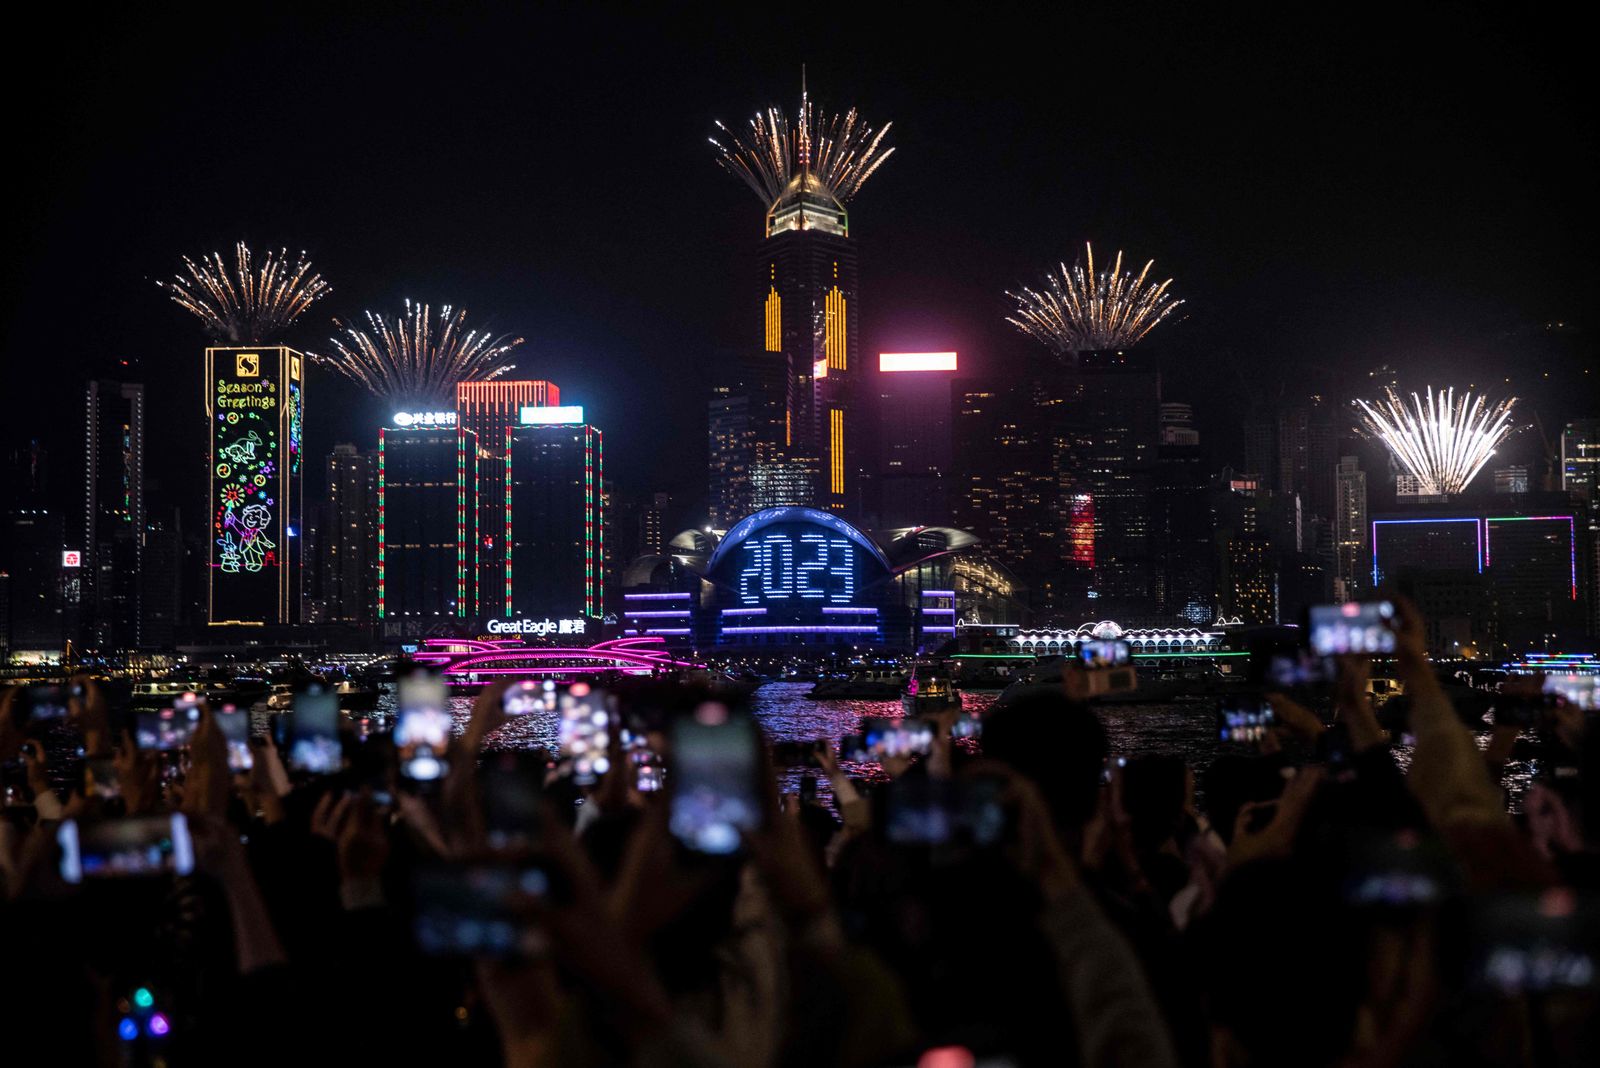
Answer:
(916, 361)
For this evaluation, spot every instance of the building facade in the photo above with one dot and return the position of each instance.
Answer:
(428, 544)
(554, 532)
(113, 531)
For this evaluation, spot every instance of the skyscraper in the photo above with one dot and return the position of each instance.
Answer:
(428, 512)
(914, 451)
(255, 407)
(113, 519)
(749, 432)
(1580, 460)
(554, 522)
(347, 564)
(1352, 564)
(488, 410)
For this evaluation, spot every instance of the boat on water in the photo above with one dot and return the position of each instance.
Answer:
(928, 692)
(356, 696)
(872, 684)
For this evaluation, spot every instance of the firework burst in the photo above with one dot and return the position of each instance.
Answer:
(1083, 311)
(839, 151)
(245, 304)
(417, 358)
(1441, 441)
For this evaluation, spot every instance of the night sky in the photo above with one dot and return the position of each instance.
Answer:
(1328, 195)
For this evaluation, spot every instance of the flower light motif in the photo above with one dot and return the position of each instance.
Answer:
(1441, 441)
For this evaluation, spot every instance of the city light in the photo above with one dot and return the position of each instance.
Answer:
(424, 418)
(916, 361)
(553, 415)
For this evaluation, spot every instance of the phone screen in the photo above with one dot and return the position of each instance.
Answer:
(101, 778)
(526, 698)
(513, 787)
(1359, 628)
(136, 845)
(478, 909)
(1104, 652)
(235, 727)
(896, 737)
(585, 732)
(1582, 691)
(170, 728)
(715, 759)
(940, 811)
(1522, 943)
(314, 732)
(1243, 719)
(46, 701)
(422, 731)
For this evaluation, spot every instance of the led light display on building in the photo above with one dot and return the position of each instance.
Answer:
(801, 572)
(424, 418)
(71, 558)
(553, 415)
(916, 361)
(255, 409)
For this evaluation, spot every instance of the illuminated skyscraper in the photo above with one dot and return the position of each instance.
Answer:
(913, 437)
(428, 514)
(1580, 460)
(749, 434)
(554, 522)
(114, 512)
(1352, 563)
(255, 408)
(488, 410)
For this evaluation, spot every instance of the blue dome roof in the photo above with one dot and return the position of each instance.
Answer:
(750, 524)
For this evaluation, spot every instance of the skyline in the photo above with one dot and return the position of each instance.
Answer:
(548, 252)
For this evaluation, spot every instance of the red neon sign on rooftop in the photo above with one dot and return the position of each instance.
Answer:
(916, 361)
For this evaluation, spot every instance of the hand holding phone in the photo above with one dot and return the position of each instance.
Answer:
(121, 848)
(422, 729)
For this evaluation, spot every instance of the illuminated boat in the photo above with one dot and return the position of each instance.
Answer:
(929, 692)
(473, 662)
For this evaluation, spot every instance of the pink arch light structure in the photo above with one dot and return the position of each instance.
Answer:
(464, 661)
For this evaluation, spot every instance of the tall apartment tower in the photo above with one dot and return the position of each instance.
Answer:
(1352, 563)
(114, 512)
(914, 444)
(348, 563)
(428, 514)
(752, 464)
(554, 563)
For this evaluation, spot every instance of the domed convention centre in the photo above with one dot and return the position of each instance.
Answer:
(794, 578)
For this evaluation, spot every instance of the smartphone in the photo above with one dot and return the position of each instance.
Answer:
(966, 725)
(651, 778)
(808, 789)
(584, 732)
(1119, 679)
(43, 701)
(131, 846)
(513, 789)
(896, 737)
(1243, 719)
(942, 812)
(314, 732)
(1288, 666)
(1355, 628)
(527, 697)
(1580, 690)
(478, 909)
(235, 726)
(1399, 870)
(715, 784)
(1105, 652)
(422, 728)
(170, 728)
(1535, 943)
(101, 778)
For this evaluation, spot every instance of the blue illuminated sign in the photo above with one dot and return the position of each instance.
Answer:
(797, 567)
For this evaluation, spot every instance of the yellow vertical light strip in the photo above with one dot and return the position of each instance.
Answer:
(836, 450)
(774, 321)
(833, 343)
(788, 428)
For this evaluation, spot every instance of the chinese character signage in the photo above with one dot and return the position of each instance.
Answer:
(254, 407)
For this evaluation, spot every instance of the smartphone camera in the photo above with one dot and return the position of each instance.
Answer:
(170, 728)
(127, 847)
(314, 732)
(1355, 628)
(584, 732)
(716, 792)
(235, 726)
(1243, 719)
(422, 729)
(527, 697)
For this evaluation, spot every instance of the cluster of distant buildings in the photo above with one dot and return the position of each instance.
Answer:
(851, 501)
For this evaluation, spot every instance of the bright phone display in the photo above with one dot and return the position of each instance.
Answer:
(1355, 628)
(716, 764)
(120, 848)
(422, 729)
(314, 732)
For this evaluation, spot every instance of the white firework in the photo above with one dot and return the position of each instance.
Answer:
(1442, 441)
